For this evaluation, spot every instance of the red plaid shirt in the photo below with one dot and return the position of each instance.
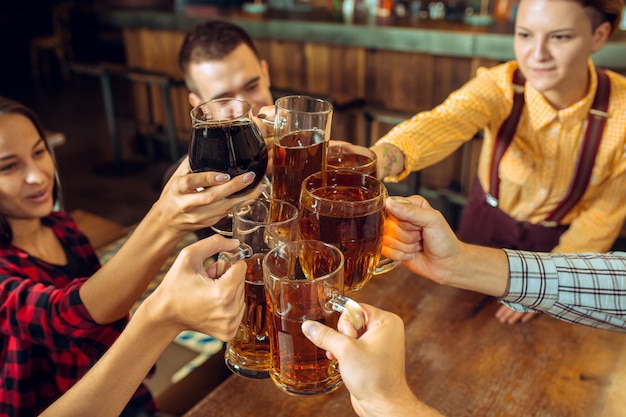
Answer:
(48, 340)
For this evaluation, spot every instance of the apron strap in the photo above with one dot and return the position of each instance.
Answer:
(505, 136)
(596, 121)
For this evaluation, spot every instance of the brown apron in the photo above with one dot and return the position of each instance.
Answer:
(483, 223)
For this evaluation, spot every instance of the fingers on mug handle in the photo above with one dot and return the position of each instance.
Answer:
(385, 265)
(265, 120)
(401, 200)
(352, 311)
(226, 259)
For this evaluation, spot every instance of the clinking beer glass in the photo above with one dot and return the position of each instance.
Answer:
(304, 281)
(260, 225)
(301, 136)
(347, 209)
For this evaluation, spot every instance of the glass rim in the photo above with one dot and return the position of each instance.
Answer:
(300, 242)
(383, 194)
(195, 120)
(362, 151)
(326, 103)
(265, 223)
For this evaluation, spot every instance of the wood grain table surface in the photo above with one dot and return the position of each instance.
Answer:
(463, 362)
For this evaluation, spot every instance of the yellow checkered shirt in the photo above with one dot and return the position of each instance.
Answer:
(538, 167)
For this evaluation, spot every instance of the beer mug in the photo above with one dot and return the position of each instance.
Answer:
(304, 281)
(347, 209)
(301, 135)
(353, 157)
(260, 225)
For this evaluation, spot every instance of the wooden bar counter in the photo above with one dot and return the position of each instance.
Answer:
(463, 362)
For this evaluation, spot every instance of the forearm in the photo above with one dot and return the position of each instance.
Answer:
(404, 404)
(480, 269)
(106, 389)
(110, 293)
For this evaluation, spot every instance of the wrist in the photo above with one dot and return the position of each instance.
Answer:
(480, 269)
(153, 314)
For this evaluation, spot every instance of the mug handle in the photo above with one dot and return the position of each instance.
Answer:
(226, 259)
(353, 311)
(385, 265)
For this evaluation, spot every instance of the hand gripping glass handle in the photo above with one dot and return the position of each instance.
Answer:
(351, 309)
(226, 259)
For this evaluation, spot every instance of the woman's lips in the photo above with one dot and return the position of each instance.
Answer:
(41, 196)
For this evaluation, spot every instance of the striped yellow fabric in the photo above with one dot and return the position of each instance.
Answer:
(538, 167)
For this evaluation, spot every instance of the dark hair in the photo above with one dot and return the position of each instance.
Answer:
(211, 41)
(604, 11)
(7, 107)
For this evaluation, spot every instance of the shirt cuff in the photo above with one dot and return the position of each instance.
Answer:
(533, 281)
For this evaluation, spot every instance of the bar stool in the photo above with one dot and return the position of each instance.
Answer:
(105, 72)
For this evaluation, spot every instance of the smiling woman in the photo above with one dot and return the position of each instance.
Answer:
(62, 310)
(530, 193)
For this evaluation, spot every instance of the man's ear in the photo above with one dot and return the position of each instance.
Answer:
(194, 99)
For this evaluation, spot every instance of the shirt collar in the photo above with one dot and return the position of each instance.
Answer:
(541, 113)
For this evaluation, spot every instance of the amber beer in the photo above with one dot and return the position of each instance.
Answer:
(352, 157)
(304, 368)
(249, 350)
(260, 225)
(347, 211)
(296, 156)
(302, 280)
(301, 135)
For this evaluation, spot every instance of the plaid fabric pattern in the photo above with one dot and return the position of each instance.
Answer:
(588, 289)
(537, 169)
(47, 338)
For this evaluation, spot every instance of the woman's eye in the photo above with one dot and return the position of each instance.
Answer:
(7, 167)
(40, 152)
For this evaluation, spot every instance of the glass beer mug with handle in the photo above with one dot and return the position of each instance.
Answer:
(301, 135)
(304, 281)
(343, 155)
(225, 139)
(347, 209)
(260, 225)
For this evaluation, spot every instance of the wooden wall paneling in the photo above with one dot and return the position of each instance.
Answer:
(287, 65)
(400, 81)
(317, 70)
(450, 74)
(157, 50)
(160, 50)
(346, 72)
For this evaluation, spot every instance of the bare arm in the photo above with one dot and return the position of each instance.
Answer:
(110, 293)
(212, 306)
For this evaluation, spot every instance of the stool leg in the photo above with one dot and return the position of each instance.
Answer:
(107, 94)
